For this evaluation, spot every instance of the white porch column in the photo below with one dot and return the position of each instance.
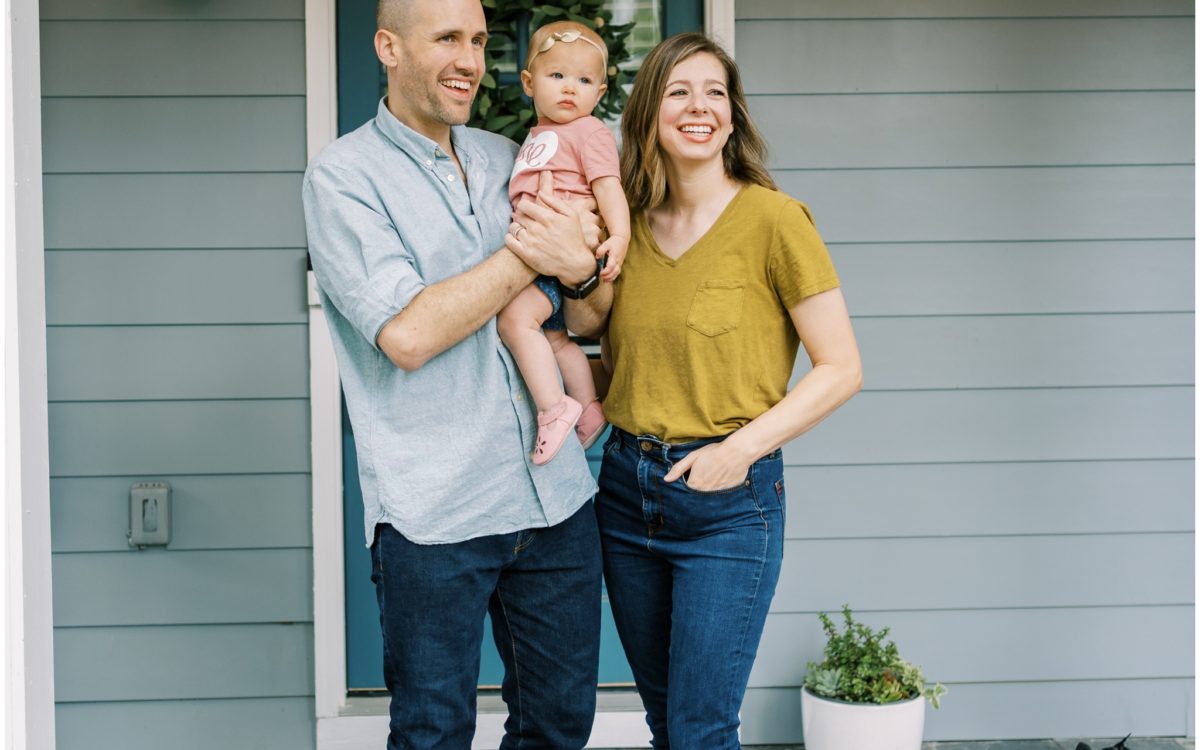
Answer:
(28, 616)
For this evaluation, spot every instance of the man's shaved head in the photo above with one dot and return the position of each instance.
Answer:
(394, 15)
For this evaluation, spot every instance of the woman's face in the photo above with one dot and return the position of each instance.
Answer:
(695, 118)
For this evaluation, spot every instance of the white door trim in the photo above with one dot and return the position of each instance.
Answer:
(719, 22)
(28, 623)
(329, 596)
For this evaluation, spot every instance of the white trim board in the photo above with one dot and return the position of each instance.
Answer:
(28, 612)
(329, 596)
(338, 728)
(719, 23)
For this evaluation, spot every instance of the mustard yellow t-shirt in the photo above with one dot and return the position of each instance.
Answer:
(703, 344)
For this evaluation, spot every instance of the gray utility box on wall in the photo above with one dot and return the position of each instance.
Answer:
(149, 514)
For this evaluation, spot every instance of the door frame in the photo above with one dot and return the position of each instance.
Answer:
(343, 723)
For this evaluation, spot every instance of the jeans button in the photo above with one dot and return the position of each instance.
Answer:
(646, 446)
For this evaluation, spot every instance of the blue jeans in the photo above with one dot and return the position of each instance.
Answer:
(542, 589)
(690, 576)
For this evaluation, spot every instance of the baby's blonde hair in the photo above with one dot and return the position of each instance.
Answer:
(557, 27)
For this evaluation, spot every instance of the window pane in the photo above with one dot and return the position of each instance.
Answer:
(647, 33)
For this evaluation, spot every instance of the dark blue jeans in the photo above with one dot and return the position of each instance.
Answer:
(690, 577)
(542, 589)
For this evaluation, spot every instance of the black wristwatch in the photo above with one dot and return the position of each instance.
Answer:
(586, 287)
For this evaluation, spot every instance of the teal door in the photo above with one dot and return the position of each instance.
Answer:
(360, 81)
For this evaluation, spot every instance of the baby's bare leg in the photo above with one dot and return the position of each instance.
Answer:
(573, 364)
(520, 325)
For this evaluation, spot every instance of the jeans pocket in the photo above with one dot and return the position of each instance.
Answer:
(719, 491)
(716, 306)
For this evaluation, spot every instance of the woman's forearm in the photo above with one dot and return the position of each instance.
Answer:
(823, 324)
(818, 394)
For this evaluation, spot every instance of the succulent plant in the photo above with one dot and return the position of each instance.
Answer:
(861, 667)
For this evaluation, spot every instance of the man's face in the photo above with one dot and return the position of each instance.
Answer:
(439, 64)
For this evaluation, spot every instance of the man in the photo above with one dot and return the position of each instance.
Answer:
(407, 220)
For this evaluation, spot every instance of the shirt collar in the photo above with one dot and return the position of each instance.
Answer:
(426, 150)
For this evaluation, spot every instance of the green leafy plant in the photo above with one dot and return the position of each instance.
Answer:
(501, 105)
(861, 667)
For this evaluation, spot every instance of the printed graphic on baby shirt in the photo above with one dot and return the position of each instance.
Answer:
(537, 151)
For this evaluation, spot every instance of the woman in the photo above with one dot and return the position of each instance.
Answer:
(724, 277)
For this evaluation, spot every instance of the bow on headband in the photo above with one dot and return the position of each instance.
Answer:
(567, 37)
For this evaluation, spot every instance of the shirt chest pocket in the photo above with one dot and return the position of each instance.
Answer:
(716, 306)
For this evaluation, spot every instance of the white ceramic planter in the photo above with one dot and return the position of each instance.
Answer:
(836, 725)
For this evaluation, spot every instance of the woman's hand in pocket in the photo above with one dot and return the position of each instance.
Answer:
(713, 467)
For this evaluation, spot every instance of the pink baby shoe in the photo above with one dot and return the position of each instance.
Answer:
(591, 424)
(554, 425)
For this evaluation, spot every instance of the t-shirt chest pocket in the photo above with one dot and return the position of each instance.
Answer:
(716, 306)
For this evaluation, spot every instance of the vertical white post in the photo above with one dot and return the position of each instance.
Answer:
(329, 596)
(719, 22)
(28, 613)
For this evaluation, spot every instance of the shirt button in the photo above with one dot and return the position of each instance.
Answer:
(429, 162)
(449, 178)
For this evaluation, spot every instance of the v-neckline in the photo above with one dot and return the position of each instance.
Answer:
(661, 255)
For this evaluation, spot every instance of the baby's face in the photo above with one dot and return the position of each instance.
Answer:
(566, 81)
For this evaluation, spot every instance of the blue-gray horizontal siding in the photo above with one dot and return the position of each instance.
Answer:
(159, 211)
(999, 204)
(193, 725)
(1061, 645)
(152, 287)
(214, 586)
(889, 9)
(182, 662)
(172, 58)
(947, 130)
(210, 512)
(149, 10)
(209, 134)
(154, 438)
(856, 56)
(177, 351)
(1018, 278)
(1007, 189)
(137, 362)
(1114, 708)
(998, 499)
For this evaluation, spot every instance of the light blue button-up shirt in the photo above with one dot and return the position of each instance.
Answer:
(444, 451)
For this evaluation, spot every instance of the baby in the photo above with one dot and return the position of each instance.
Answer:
(565, 74)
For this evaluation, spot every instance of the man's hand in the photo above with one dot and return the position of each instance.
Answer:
(549, 235)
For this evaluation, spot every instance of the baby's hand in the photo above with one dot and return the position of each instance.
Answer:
(614, 249)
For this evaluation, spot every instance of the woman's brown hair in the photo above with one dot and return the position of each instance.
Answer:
(643, 173)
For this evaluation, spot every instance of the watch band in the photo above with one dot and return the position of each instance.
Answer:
(587, 287)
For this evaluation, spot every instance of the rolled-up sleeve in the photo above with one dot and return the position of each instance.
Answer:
(359, 259)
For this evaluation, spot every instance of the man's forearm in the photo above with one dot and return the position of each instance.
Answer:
(447, 312)
(588, 317)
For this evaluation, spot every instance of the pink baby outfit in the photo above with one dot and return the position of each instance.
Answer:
(578, 153)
